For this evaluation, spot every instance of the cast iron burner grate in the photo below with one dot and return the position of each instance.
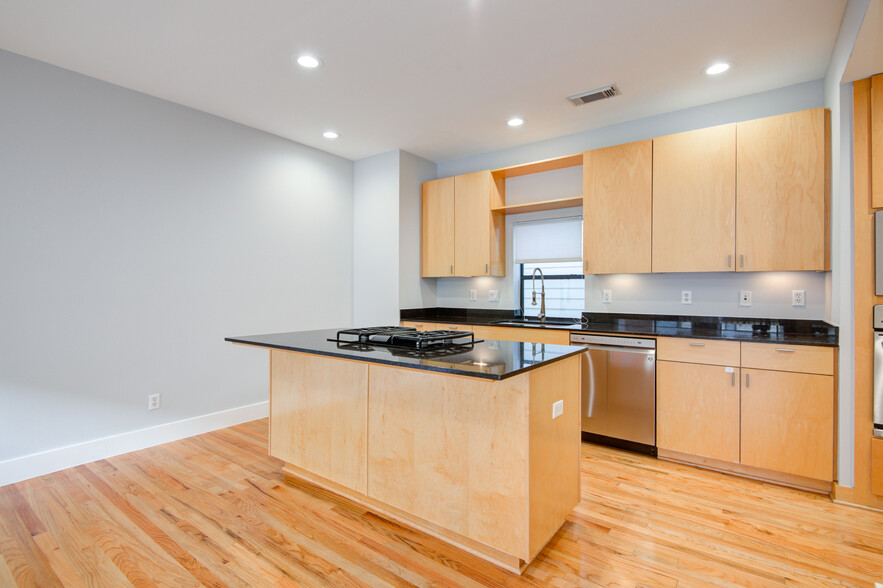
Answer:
(405, 338)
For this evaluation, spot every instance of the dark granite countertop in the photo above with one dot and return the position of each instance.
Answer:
(492, 360)
(759, 330)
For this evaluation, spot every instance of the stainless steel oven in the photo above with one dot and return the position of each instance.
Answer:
(619, 391)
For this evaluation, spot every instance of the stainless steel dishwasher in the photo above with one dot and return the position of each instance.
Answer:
(619, 391)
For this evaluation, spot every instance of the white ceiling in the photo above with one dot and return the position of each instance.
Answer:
(438, 78)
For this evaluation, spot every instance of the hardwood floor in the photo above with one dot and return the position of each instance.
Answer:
(215, 510)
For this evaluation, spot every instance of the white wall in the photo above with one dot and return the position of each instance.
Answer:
(713, 294)
(135, 234)
(376, 240)
(414, 292)
(838, 97)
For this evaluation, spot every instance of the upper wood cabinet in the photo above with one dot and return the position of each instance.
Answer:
(437, 242)
(617, 208)
(782, 187)
(461, 235)
(694, 201)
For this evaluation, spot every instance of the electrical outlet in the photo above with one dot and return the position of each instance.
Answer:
(686, 297)
(745, 298)
(473, 294)
(493, 295)
(798, 297)
(153, 402)
(557, 409)
(606, 296)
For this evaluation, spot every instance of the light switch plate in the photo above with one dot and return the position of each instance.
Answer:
(557, 409)
(745, 298)
(493, 295)
(606, 296)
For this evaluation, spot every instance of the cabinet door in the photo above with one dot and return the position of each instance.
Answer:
(694, 201)
(782, 187)
(437, 238)
(788, 422)
(478, 234)
(697, 409)
(617, 208)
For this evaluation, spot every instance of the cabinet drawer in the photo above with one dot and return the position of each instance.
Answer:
(419, 325)
(698, 351)
(450, 327)
(789, 358)
(525, 335)
(877, 466)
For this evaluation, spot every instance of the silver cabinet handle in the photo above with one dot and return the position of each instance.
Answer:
(733, 380)
(741, 260)
(730, 260)
(485, 268)
(697, 344)
(586, 265)
(746, 380)
(785, 349)
(452, 269)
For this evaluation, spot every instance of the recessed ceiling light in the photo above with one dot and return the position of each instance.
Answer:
(515, 122)
(330, 135)
(717, 68)
(309, 61)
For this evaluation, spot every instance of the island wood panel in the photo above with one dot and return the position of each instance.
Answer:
(876, 140)
(865, 299)
(437, 236)
(694, 201)
(808, 359)
(782, 192)
(725, 353)
(788, 422)
(525, 335)
(554, 449)
(475, 235)
(431, 439)
(618, 209)
(697, 409)
(319, 415)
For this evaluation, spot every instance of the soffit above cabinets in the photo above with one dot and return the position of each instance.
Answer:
(437, 78)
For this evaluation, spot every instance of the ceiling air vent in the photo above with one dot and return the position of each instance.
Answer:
(593, 95)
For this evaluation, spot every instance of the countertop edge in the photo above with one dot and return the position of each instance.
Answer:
(427, 368)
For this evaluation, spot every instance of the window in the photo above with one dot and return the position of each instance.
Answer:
(565, 289)
(554, 246)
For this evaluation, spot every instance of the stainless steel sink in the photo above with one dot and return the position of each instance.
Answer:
(537, 323)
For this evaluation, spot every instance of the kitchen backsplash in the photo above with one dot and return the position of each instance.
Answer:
(713, 294)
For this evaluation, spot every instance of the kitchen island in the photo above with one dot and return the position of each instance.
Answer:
(459, 442)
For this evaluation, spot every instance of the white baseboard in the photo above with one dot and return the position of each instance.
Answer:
(53, 460)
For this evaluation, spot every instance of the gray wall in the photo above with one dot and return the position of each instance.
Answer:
(413, 293)
(713, 294)
(376, 240)
(135, 234)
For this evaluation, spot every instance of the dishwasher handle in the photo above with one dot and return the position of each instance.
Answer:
(617, 349)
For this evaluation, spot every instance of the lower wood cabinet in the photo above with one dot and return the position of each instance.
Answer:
(769, 413)
(698, 409)
(788, 422)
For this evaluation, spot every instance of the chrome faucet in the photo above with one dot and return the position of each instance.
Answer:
(542, 315)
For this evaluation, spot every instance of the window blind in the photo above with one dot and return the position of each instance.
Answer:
(558, 239)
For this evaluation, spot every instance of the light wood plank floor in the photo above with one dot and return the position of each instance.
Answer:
(214, 510)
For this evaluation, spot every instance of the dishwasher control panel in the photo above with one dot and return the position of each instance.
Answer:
(612, 340)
